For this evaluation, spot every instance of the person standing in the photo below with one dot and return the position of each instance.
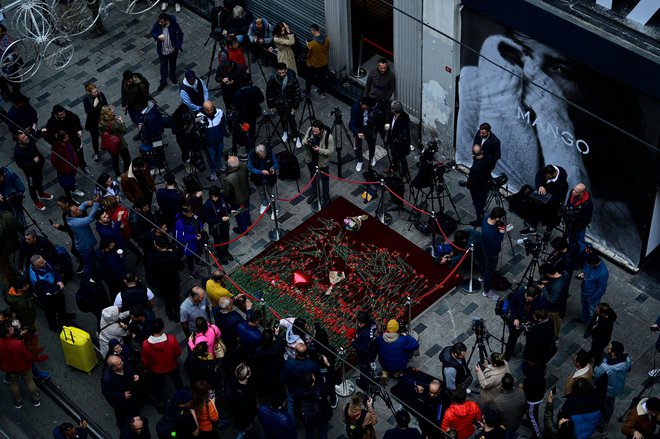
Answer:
(65, 120)
(381, 85)
(119, 386)
(594, 278)
(160, 353)
(112, 129)
(364, 344)
(319, 145)
(237, 193)
(398, 139)
(49, 289)
(283, 97)
(577, 217)
(93, 101)
(64, 160)
(510, 404)
(360, 417)
(489, 143)
(231, 76)
(616, 366)
(522, 305)
(216, 215)
(134, 96)
(80, 221)
(247, 104)
(16, 361)
(30, 160)
(284, 42)
(461, 415)
(554, 288)
(455, 371)
(492, 235)
(137, 183)
(214, 126)
(193, 91)
(169, 38)
(263, 166)
(477, 182)
(162, 268)
(363, 126)
(276, 422)
(317, 60)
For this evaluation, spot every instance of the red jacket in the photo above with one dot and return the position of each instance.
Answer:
(459, 417)
(63, 158)
(159, 354)
(14, 356)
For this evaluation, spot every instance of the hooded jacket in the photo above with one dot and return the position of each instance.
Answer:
(394, 350)
(460, 417)
(317, 51)
(160, 353)
(454, 372)
(214, 127)
(617, 370)
(639, 419)
(14, 355)
(110, 328)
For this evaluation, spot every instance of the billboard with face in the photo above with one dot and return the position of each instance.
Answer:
(549, 109)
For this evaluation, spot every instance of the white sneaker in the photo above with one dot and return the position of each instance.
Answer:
(373, 161)
(177, 7)
(262, 208)
(285, 136)
(298, 143)
(491, 295)
(358, 167)
(272, 215)
(654, 372)
(164, 6)
(78, 193)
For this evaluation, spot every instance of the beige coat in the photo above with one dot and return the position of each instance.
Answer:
(490, 381)
(285, 51)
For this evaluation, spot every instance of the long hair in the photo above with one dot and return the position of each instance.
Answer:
(200, 394)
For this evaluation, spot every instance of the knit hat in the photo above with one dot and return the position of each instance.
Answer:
(392, 326)
(58, 109)
(182, 396)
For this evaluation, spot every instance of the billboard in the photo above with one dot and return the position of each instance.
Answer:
(547, 108)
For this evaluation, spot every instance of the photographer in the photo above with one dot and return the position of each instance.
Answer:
(360, 417)
(283, 96)
(231, 76)
(394, 350)
(364, 344)
(398, 139)
(263, 166)
(577, 216)
(319, 146)
(522, 304)
(490, 377)
(362, 125)
(551, 182)
(260, 34)
(431, 405)
(246, 109)
(554, 292)
(477, 183)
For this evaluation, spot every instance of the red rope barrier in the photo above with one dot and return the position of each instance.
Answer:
(451, 273)
(309, 183)
(254, 224)
(381, 48)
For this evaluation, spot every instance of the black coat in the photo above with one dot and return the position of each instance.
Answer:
(398, 136)
(93, 113)
(491, 147)
(70, 125)
(557, 189)
(479, 174)
(286, 98)
(162, 269)
(247, 101)
(24, 157)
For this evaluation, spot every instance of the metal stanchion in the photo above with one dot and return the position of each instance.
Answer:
(359, 72)
(346, 387)
(471, 285)
(383, 216)
(276, 233)
(207, 252)
(409, 304)
(316, 205)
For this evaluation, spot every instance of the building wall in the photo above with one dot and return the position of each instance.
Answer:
(439, 69)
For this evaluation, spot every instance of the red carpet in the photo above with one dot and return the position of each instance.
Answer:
(382, 269)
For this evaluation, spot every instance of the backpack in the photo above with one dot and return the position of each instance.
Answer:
(354, 429)
(91, 296)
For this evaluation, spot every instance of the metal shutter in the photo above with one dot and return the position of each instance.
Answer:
(297, 14)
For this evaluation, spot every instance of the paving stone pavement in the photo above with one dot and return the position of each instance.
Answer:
(128, 45)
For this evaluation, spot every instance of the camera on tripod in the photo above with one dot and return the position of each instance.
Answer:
(479, 328)
(533, 246)
(336, 112)
(427, 155)
(497, 182)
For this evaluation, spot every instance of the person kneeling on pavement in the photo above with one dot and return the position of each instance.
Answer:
(394, 350)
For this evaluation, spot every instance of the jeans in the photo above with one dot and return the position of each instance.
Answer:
(325, 181)
(243, 220)
(35, 183)
(265, 191)
(588, 309)
(87, 256)
(29, 382)
(488, 270)
(533, 414)
(168, 67)
(576, 242)
(215, 151)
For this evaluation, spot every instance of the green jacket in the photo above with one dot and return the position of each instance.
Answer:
(24, 308)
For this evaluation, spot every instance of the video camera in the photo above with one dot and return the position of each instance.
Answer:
(427, 155)
(479, 328)
(533, 246)
(497, 182)
(336, 112)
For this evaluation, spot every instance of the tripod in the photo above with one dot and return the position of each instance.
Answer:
(646, 385)
(339, 130)
(482, 342)
(217, 38)
(495, 196)
(308, 107)
(271, 129)
(438, 190)
(530, 271)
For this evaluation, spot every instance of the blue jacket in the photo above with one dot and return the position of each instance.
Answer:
(277, 423)
(393, 355)
(266, 32)
(186, 231)
(83, 235)
(215, 127)
(293, 371)
(250, 336)
(356, 123)
(595, 282)
(585, 424)
(176, 35)
(517, 305)
(365, 343)
(111, 230)
(617, 371)
(12, 184)
(44, 280)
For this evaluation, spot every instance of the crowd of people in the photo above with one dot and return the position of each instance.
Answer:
(279, 373)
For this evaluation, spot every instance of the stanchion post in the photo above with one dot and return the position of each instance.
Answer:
(359, 64)
(275, 233)
(316, 205)
(383, 216)
(207, 252)
(471, 285)
(346, 387)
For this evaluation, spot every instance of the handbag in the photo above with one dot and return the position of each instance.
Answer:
(110, 142)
